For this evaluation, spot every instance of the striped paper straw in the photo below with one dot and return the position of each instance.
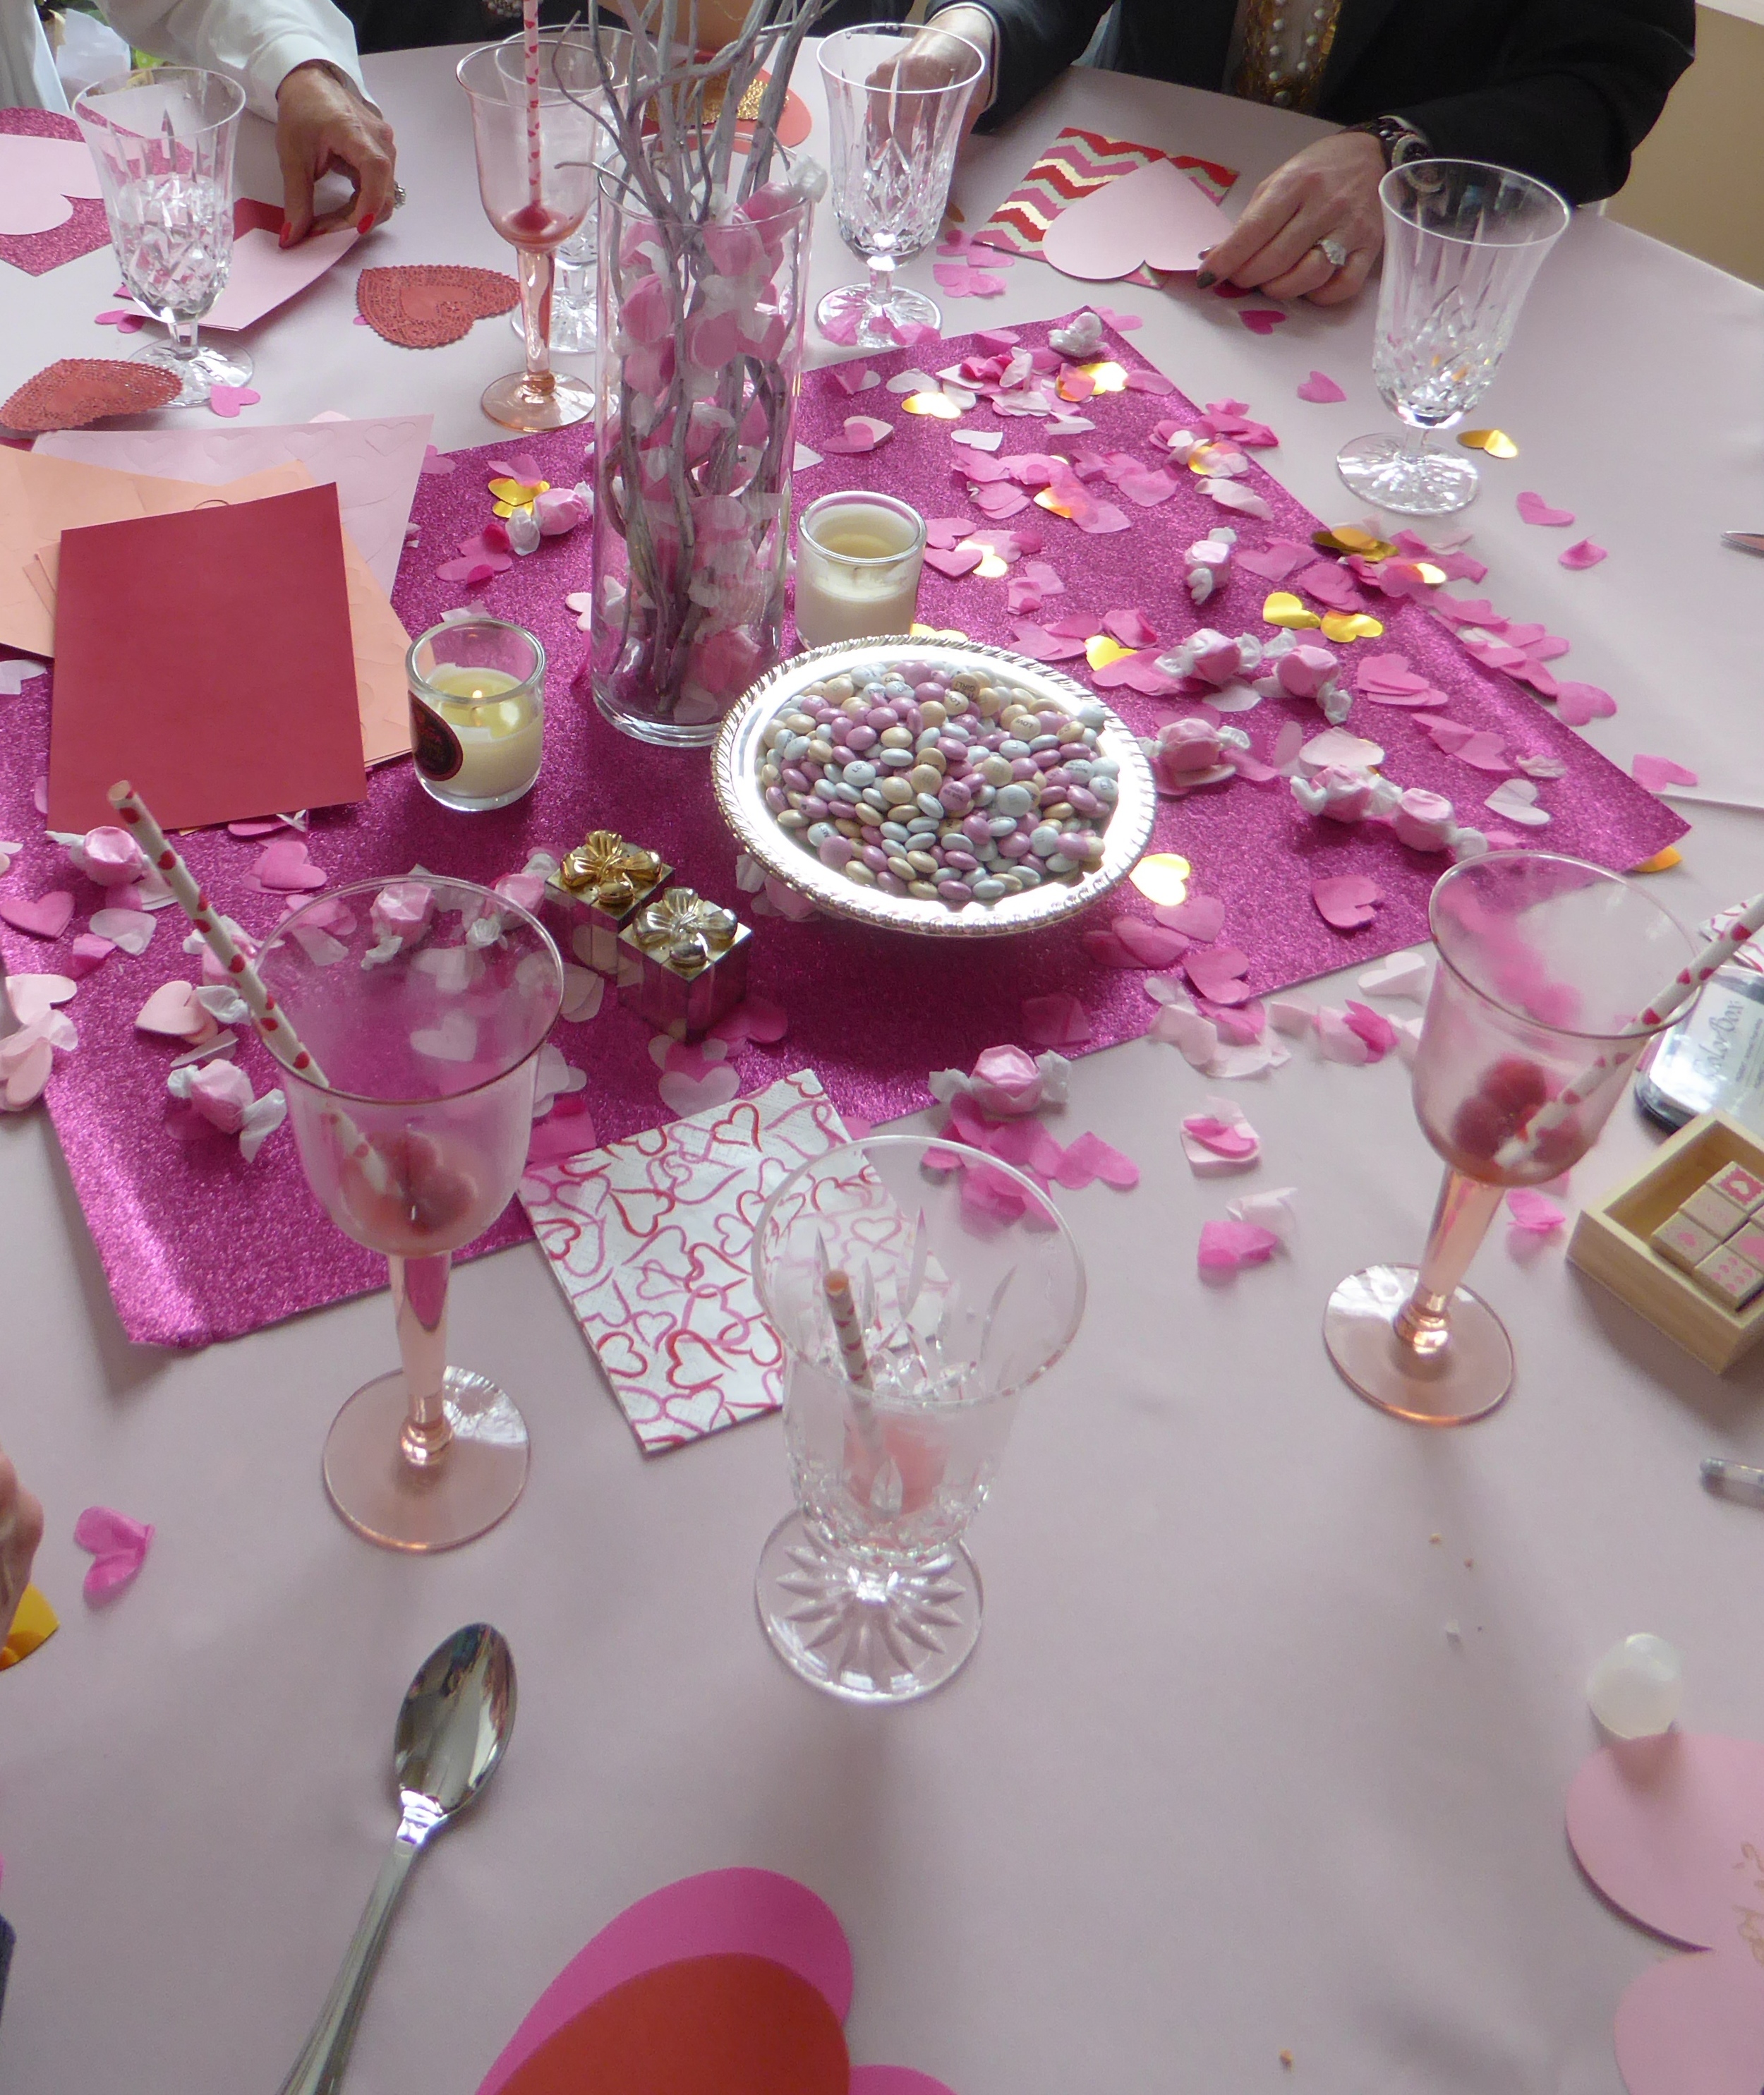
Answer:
(1672, 999)
(837, 1286)
(529, 26)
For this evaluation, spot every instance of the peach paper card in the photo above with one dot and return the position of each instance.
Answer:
(1155, 215)
(1671, 1830)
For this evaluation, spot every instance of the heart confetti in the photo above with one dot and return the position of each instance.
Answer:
(1320, 386)
(1657, 772)
(1496, 443)
(863, 433)
(430, 304)
(45, 917)
(118, 1544)
(1259, 319)
(1218, 975)
(1582, 554)
(1534, 509)
(1515, 800)
(1346, 900)
(78, 389)
(1578, 704)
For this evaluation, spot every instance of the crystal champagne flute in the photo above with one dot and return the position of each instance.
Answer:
(164, 142)
(424, 1002)
(896, 124)
(1544, 963)
(1462, 242)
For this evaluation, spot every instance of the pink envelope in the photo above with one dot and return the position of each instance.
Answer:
(1154, 215)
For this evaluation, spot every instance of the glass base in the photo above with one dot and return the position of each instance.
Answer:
(476, 1481)
(200, 373)
(468, 804)
(1383, 471)
(554, 401)
(886, 1635)
(854, 303)
(573, 326)
(657, 728)
(1468, 1376)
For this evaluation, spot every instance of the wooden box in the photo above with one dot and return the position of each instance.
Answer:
(1610, 1242)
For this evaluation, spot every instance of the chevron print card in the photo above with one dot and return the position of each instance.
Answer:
(1076, 165)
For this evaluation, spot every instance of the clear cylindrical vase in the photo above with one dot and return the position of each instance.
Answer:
(701, 344)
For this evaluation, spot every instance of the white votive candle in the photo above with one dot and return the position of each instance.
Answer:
(858, 557)
(478, 712)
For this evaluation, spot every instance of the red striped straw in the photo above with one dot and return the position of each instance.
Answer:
(837, 1286)
(1673, 999)
(529, 26)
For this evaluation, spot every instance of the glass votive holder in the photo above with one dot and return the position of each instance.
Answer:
(478, 711)
(858, 558)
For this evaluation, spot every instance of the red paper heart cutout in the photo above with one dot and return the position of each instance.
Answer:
(429, 304)
(78, 389)
(718, 2025)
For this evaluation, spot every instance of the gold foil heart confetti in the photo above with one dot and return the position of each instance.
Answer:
(1495, 442)
(1284, 609)
(1350, 539)
(939, 405)
(1050, 502)
(1106, 377)
(1163, 878)
(1099, 651)
(991, 567)
(1342, 626)
(935, 632)
(1429, 573)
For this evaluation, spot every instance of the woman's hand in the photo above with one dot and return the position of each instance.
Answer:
(1328, 192)
(21, 1529)
(323, 121)
(936, 56)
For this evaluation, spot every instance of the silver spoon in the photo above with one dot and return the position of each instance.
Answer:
(453, 1727)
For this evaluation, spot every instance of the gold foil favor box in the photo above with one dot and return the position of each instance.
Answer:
(683, 963)
(594, 894)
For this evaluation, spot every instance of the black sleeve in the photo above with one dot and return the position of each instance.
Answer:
(1577, 88)
(1038, 40)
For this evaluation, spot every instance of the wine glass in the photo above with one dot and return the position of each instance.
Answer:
(917, 1290)
(425, 1003)
(895, 124)
(164, 141)
(536, 166)
(1544, 963)
(1462, 242)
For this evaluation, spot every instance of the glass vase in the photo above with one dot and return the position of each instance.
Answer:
(701, 344)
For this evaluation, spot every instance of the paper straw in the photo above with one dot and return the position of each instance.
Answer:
(1672, 999)
(837, 1286)
(270, 1019)
(529, 26)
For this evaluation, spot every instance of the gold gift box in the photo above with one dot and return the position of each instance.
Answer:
(595, 893)
(683, 963)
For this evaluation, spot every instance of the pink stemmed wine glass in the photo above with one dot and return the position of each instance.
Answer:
(536, 167)
(1544, 964)
(424, 1002)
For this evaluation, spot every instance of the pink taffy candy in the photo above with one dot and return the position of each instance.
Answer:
(1218, 663)
(402, 909)
(1185, 750)
(1424, 821)
(1302, 671)
(561, 509)
(1006, 1082)
(220, 1091)
(1346, 793)
(110, 856)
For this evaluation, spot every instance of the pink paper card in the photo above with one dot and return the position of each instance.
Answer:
(373, 464)
(1155, 217)
(650, 1239)
(265, 274)
(49, 208)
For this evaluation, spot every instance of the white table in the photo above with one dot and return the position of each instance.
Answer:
(1216, 1782)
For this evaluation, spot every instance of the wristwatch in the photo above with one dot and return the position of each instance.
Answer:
(1398, 139)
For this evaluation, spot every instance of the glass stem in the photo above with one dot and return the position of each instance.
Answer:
(881, 281)
(183, 334)
(1460, 1222)
(536, 314)
(420, 1302)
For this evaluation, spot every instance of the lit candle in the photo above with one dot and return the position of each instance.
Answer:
(478, 712)
(858, 557)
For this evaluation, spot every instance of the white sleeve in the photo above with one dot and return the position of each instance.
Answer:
(256, 42)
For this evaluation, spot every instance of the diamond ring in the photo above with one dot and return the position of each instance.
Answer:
(400, 199)
(1333, 252)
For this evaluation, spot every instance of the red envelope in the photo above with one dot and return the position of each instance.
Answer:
(206, 656)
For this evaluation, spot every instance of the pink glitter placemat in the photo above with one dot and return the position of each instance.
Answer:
(197, 1245)
(84, 233)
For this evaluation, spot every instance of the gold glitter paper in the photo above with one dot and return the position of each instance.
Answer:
(1107, 378)
(1284, 609)
(1341, 625)
(1100, 649)
(939, 405)
(1050, 502)
(1163, 877)
(1495, 442)
(1350, 539)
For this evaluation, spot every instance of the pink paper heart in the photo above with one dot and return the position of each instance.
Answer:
(1218, 975)
(45, 917)
(955, 562)
(683, 1095)
(1578, 704)
(1201, 917)
(1154, 215)
(1534, 509)
(1582, 554)
(1274, 563)
(1320, 386)
(1346, 900)
(862, 433)
(1259, 319)
(1089, 1157)
(1657, 772)
(132, 930)
(118, 1544)
(172, 1010)
(1151, 945)
(34, 996)
(1056, 1021)
(1227, 1247)
(227, 400)
(285, 867)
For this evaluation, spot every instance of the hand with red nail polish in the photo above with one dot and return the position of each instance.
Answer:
(325, 125)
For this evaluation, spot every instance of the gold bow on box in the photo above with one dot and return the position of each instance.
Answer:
(604, 869)
(685, 932)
